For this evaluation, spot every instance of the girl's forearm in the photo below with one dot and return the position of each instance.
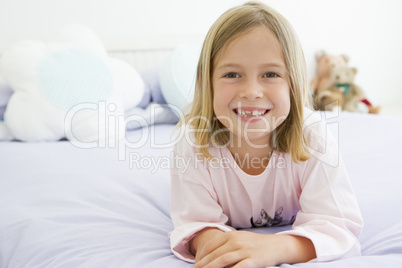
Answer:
(281, 248)
(296, 249)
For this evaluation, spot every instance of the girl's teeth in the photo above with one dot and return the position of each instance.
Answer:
(250, 113)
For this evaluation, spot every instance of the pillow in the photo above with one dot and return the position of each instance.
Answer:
(5, 94)
(68, 87)
(177, 75)
(152, 85)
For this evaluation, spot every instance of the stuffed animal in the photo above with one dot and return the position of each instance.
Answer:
(328, 100)
(325, 64)
(324, 79)
(342, 92)
(67, 87)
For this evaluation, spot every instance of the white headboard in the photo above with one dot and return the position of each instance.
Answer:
(147, 53)
(143, 59)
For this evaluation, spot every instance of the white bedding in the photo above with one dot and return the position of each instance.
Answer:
(63, 206)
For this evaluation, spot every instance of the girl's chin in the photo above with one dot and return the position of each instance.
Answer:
(254, 140)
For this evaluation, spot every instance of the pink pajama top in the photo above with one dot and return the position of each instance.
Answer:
(314, 196)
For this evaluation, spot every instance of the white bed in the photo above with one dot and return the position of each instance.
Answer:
(64, 206)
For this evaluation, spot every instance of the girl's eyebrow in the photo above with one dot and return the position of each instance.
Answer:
(224, 66)
(273, 64)
(228, 65)
(235, 65)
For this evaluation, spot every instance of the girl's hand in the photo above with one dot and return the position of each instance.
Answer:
(238, 249)
(247, 249)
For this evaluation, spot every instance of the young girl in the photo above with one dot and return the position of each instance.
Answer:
(252, 160)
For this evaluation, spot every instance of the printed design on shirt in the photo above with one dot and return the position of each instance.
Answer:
(267, 221)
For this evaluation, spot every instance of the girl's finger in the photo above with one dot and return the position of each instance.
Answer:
(228, 259)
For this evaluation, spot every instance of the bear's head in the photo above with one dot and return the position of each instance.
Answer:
(325, 63)
(343, 75)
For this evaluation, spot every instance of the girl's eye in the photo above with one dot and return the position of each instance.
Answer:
(231, 75)
(270, 75)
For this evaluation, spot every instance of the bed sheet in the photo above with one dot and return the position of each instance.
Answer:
(64, 206)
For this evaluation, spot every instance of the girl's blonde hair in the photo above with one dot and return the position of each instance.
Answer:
(287, 137)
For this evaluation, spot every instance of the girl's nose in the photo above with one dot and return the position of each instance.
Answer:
(251, 90)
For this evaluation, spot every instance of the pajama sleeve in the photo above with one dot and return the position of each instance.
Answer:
(194, 204)
(329, 215)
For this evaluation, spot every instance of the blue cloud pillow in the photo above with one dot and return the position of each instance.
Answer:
(177, 75)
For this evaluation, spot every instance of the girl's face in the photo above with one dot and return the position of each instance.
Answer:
(251, 88)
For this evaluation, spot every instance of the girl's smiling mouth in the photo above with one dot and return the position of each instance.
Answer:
(250, 112)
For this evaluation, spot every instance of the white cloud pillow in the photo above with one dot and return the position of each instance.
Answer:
(5, 94)
(68, 87)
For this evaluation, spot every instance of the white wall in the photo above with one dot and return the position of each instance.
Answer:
(121, 24)
(368, 31)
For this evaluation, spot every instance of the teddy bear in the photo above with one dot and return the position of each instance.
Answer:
(323, 80)
(343, 93)
(328, 100)
(325, 64)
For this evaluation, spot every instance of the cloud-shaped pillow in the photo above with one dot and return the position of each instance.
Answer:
(69, 88)
(177, 75)
(5, 94)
